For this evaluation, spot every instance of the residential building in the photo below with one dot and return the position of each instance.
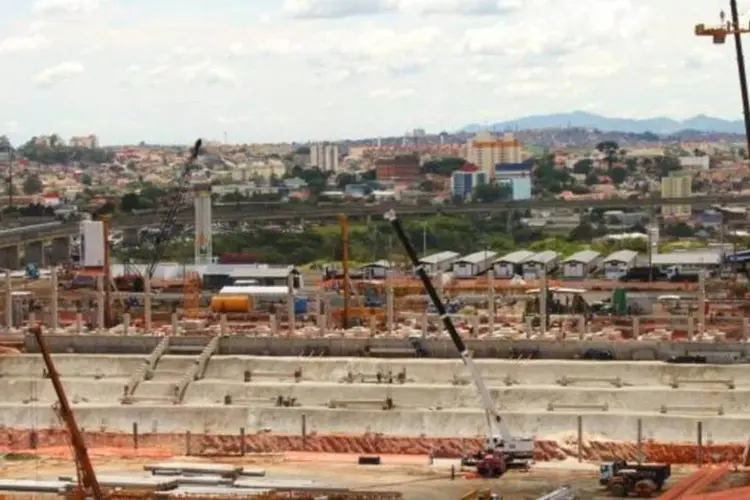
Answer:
(90, 141)
(695, 163)
(517, 176)
(677, 185)
(399, 168)
(690, 262)
(325, 157)
(539, 264)
(472, 265)
(466, 180)
(376, 270)
(487, 150)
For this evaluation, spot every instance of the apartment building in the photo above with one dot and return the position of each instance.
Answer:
(677, 185)
(486, 150)
(399, 168)
(325, 157)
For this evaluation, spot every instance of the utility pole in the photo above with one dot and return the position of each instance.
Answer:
(719, 35)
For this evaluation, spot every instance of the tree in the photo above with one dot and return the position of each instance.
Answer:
(585, 166)
(130, 202)
(344, 179)
(443, 166)
(491, 193)
(86, 179)
(32, 185)
(666, 164)
(618, 175)
(610, 150)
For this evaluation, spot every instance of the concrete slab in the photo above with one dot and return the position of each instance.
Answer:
(196, 468)
(287, 485)
(33, 486)
(206, 491)
(160, 483)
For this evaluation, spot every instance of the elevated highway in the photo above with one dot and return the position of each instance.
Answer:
(49, 242)
(241, 213)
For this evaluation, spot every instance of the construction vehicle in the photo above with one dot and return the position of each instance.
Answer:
(500, 447)
(623, 479)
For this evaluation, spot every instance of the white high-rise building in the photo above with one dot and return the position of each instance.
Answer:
(203, 225)
(325, 157)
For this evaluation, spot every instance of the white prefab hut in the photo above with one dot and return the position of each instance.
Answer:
(546, 261)
(617, 264)
(472, 265)
(376, 270)
(439, 262)
(581, 264)
(511, 264)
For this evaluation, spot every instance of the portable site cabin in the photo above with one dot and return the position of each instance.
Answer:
(618, 264)
(439, 262)
(472, 265)
(690, 263)
(376, 270)
(267, 275)
(546, 261)
(581, 264)
(511, 264)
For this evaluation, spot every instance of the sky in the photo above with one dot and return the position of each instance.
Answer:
(169, 71)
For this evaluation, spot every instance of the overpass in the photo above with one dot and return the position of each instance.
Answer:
(47, 243)
(236, 213)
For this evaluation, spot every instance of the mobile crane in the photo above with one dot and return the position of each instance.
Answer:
(500, 447)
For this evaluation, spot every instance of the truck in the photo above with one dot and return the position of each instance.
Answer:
(501, 448)
(623, 479)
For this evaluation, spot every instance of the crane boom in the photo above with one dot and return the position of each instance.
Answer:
(83, 462)
(499, 438)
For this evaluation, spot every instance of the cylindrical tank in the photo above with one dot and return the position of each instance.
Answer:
(231, 303)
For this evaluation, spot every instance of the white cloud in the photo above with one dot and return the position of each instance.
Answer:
(58, 74)
(25, 43)
(387, 65)
(391, 94)
(10, 127)
(65, 6)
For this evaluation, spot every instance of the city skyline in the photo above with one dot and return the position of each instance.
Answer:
(167, 71)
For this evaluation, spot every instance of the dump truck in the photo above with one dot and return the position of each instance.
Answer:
(623, 479)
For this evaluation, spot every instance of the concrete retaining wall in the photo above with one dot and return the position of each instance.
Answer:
(443, 348)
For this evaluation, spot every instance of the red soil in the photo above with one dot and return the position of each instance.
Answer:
(55, 442)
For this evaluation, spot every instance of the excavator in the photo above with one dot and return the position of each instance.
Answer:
(501, 448)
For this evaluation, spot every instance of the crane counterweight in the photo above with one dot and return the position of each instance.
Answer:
(500, 445)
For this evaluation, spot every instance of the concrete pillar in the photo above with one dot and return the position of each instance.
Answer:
(274, 324)
(54, 306)
(9, 258)
(32, 319)
(60, 251)
(79, 322)
(323, 314)
(35, 253)
(373, 325)
(290, 306)
(581, 327)
(389, 301)
(702, 302)
(745, 329)
(691, 328)
(175, 324)
(314, 310)
(529, 327)
(439, 285)
(543, 302)
(223, 326)
(8, 302)
(100, 306)
(636, 328)
(425, 324)
(147, 323)
(126, 323)
(491, 299)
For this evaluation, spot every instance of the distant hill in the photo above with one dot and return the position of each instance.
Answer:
(658, 125)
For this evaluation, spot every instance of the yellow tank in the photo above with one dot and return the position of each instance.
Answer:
(231, 303)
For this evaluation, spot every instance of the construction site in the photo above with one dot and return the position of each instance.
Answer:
(419, 381)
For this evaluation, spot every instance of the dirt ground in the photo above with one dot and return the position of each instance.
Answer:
(412, 476)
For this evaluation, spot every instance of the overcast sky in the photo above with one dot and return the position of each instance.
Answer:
(276, 70)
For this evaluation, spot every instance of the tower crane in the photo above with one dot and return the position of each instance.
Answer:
(500, 446)
(134, 281)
